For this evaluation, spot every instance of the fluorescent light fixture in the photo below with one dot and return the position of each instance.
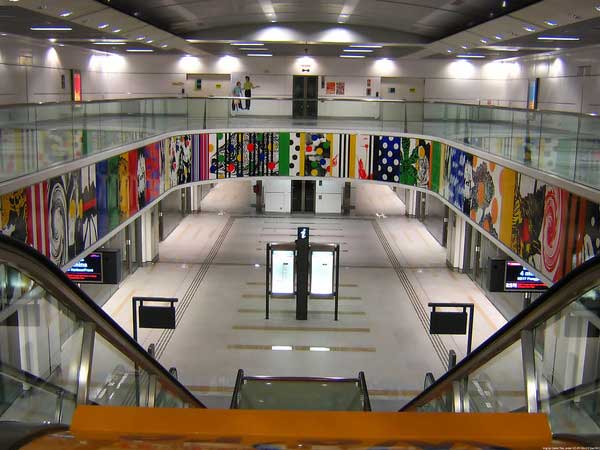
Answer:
(57, 28)
(273, 20)
(358, 50)
(352, 56)
(551, 23)
(483, 41)
(504, 3)
(139, 50)
(116, 30)
(259, 54)
(529, 28)
(285, 348)
(193, 41)
(342, 18)
(597, 8)
(449, 50)
(501, 48)
(366, 46)
(102, 26)
(52, 40)
(65, 13)
(164, 46)
(593, 114)
(470, 56)
(257, 265)
(254, 49)
(319, 349)
(110, 43)
(140, 38)
(464, 47)
(247, 44)
(149, 41)
(499, 37)
(558, 38)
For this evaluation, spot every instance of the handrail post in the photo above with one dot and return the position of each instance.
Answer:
(529, 378)
(362, 382)
(85, 364)
(239, 379)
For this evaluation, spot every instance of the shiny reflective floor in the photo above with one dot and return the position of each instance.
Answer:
(214, 263)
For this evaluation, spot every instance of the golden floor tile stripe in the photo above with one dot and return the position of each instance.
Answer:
(292, 311)
(256, 283)
(281, 328)
(348, 285)
(300, 348)
(224, 389)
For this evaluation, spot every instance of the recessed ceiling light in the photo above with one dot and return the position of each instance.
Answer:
(61, 45)
(597, 7)
(52, 39)
(3, 34)
(504, 3)
(366, 45)
(499, 37)
(464, 47)
(164, 46)
(449, 50)
(140, 50)
(470, 56)
(116, 30)
(483, 41)
(529, 28)
(246, 44)
(259, 54)
(65, 13)
(254, 49)
(109, 43)
(273, 20)
(352, 56)
(140, 38)
(102, 26)
(558, 38)
(149, 41)
(551, 23)
(13, 1)
(42, 28)
(358, 50)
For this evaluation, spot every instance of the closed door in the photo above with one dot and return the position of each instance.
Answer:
(305, 93)
(303, 196)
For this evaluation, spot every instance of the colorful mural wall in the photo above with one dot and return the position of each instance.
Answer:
(550, 228)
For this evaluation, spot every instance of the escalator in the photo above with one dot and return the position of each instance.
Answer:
(301, 393)
(519, 388)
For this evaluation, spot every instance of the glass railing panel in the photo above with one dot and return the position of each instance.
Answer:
(167, 399)
(55, 138)
(442, 403)
(567, 356)
(525, 142)
(115, 380)
(498, 385)
(87, 124)
(394, 112)
(559, 144)
(111, 134)
(300, 395)
(587, 165)
(501, 132)
(18, 141)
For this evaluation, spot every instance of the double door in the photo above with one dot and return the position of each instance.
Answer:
(303, 196)
(305, 95)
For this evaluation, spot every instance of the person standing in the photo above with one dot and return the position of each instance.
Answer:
(237, 92)
(248, 86)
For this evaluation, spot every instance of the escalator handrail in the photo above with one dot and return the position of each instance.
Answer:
(301, 379)
(22, 376)
(46, 274)
(557, 297)
(362, 383)
(239, 380)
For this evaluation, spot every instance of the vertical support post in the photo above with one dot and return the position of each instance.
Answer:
(470, 330)
(267, 289)
(302, 269)
(134, 318)
(527, 353)
(85, 364)
(337, 279)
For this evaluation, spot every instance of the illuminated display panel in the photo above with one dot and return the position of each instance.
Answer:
(87, 270)
(520, 279)
(321, 273)
(283, 272)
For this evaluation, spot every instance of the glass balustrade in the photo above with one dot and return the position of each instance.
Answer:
(35, 137)
(57, 349)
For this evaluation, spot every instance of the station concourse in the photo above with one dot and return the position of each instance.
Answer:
(299, 224)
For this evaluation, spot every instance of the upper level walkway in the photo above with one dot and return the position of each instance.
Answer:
(35, 137)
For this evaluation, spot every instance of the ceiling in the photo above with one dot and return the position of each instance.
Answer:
(415, 29)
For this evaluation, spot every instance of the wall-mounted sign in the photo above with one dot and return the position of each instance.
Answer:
(75, 85)
(442, 322)
(283, 272)
(303, 233)
(321, 273)
(87, 270)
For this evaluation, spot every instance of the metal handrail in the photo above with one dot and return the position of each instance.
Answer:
(42, 271)
(239, 380)
(285, 97)
(362, 383)
(561, 294)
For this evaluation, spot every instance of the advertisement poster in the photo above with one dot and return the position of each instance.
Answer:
(330, 88)
(321, 273)
(340, 87)
(283, 272)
